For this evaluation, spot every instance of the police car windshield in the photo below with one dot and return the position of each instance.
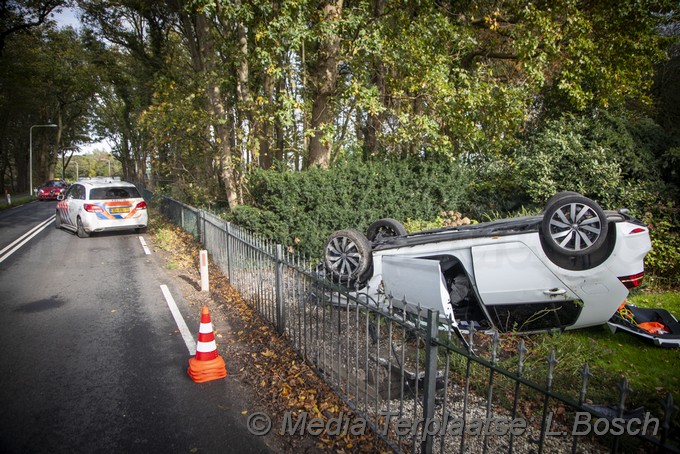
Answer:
(114, 193)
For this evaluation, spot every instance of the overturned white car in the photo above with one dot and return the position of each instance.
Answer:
(570, 267)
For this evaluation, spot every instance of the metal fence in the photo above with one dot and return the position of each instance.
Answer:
(413, 378)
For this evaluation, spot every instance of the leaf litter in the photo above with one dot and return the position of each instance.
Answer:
(260, 358)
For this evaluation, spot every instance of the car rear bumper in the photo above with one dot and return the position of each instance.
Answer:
(91, 223)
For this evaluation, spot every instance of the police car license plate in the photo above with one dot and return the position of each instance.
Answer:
(120, 210)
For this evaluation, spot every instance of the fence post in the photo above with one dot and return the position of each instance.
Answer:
(228, 230)
(201, 226)
(280, 313)
(430, 385)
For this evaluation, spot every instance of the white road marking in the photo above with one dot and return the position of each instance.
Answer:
(181, 324)
(146, 248)
(16, 244)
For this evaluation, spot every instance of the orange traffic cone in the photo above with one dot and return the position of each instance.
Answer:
(207, 364)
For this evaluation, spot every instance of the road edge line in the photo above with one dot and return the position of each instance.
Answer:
(181, 324)
(147, 251)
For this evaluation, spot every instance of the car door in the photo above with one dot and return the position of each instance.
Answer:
(64, 206)
(76, 203)
(419, 282)
(519, 292)
(68, 208)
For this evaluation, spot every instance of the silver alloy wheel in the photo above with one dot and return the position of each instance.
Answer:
(343, 256)
(575, 227)
(348, 257)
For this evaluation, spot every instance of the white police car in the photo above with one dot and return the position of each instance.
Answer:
(99, 204)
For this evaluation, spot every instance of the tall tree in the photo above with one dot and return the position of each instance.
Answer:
(23, 15)
(137, 31)
(44, 79)
(323, 79)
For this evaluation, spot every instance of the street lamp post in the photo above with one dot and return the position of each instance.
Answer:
(30, 153)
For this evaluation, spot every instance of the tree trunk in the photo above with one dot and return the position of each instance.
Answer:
(280, 140)
(203, 56)
(375, 121)
(266, 156)
(323, 84)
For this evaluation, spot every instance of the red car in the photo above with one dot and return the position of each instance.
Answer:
(49, 190)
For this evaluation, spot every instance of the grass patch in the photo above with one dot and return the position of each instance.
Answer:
(15, 202)
(652, 372)
(172, 265)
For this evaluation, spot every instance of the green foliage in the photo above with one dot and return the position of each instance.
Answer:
(603, 156)
(495, 185)
(264, 222)
(604, 53)
(303, 208)
(46, 77)
(663, 261)
(420, 225)
(564, 157)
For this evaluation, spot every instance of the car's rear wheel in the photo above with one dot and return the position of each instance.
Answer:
(81, 230)
(560, 195)
(57, 221)
(347, 256)
(574, 225)
(384, 228)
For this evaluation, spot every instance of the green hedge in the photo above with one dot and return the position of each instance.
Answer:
(300, 209)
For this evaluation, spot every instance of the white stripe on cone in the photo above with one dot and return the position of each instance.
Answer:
(206, 347)
(205, 328)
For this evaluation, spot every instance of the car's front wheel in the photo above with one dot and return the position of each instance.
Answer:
(81, 230)
(347, 256)
(574, 225)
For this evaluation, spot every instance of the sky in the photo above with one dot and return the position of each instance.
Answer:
(67, 17)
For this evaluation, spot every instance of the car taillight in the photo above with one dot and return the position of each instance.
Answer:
(91, 208)
(632, 281)
(141, 206)
(637, 230)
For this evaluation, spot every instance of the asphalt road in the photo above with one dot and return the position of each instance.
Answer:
(91, 358)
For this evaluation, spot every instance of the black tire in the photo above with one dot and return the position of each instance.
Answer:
(81, 230)
(347, 256)
(140, 230)
(574, 225)
(57, 221)
(385, 228)
(559, 195)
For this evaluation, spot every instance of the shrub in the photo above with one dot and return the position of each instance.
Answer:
(663, 261)
(301, 209)
(565, 156)
(599, 155)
